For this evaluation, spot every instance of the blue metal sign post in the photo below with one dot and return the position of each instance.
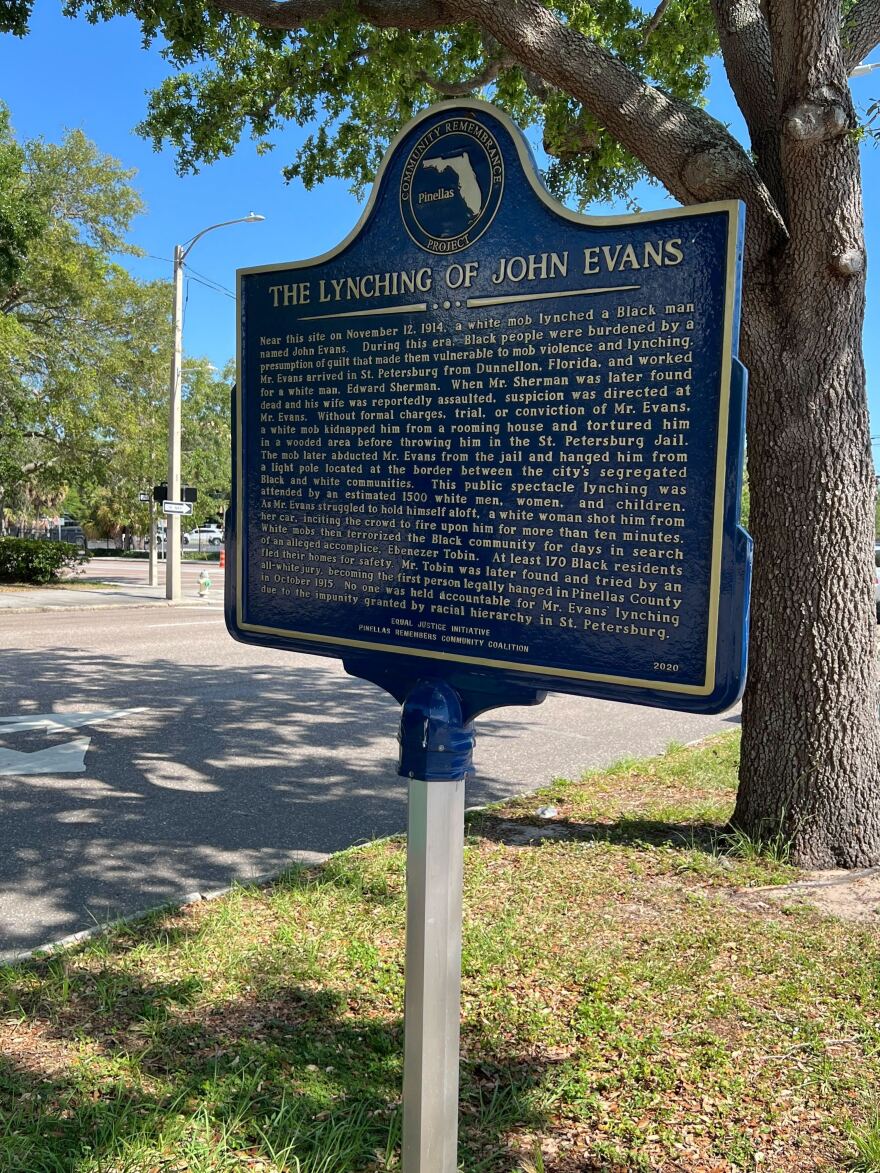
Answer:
(484, 449)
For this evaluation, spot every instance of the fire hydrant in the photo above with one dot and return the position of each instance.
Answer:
(204, 583)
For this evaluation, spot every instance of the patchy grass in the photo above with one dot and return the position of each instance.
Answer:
(866, 1141)
(619, 1010)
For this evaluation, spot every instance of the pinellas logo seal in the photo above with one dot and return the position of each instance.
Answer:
(451, 185)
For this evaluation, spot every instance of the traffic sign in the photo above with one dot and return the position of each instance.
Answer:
(143, 496)
(182, 507)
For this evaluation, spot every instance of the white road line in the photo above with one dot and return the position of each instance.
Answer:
(59, 722)
(68, 758)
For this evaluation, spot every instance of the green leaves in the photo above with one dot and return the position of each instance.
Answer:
(22, 560)
(80, 340)
(359, 83)
(206, 443)
(15, 16)
(21, 220)
(85, 349)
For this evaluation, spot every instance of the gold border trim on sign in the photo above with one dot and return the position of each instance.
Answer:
(731, 207)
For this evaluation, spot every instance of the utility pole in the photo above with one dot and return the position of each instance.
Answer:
(172, 533)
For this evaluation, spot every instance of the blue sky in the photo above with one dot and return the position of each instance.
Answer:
(70, 74)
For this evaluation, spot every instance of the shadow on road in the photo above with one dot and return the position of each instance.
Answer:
(228, 772)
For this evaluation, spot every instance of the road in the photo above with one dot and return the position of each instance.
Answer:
(136, 570)
(222, 761)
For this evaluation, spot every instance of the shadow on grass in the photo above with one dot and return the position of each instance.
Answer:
(527, 830)
(107, 1070)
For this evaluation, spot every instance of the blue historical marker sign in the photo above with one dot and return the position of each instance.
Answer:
(487, 439)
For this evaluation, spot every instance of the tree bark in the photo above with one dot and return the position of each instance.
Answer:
(810, 768)
(861, 31)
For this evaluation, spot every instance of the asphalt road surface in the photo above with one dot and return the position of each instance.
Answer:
(137, 570)
(144, 755)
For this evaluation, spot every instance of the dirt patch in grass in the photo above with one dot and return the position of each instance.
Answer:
(853, 896)
(631, 1000)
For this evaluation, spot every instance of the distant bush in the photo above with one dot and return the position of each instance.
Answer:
(29, 560)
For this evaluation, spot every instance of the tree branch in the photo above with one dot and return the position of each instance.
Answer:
(860, 32)
(536, 85)
(690, 152)
(654, 23)
(496, 62)
(748, 60)
(686, 149)
(462, 89)
(13, 297)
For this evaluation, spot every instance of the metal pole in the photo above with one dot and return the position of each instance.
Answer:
(435, 850)
(154, 544)
(172, 542)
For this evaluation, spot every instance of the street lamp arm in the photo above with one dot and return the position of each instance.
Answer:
(172, 565)
(251, 218)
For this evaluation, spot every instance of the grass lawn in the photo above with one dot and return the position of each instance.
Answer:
(624, 1008)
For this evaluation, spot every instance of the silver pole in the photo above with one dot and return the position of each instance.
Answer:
(434, 859)
(154, 543)
(172, 532)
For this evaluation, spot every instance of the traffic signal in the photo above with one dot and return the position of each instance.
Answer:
(187, 493)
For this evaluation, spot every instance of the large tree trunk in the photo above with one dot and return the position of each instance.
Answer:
(810, 769)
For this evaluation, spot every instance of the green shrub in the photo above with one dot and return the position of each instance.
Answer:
(29, 560)
(99, 553)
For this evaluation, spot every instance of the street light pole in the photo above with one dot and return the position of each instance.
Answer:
(172, 533)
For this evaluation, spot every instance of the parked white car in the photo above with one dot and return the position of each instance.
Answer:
(204, 535)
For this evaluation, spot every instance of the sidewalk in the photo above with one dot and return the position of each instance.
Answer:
(82, 599)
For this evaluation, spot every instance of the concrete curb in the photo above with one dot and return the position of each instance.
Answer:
(145, 604)
(17, 957)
